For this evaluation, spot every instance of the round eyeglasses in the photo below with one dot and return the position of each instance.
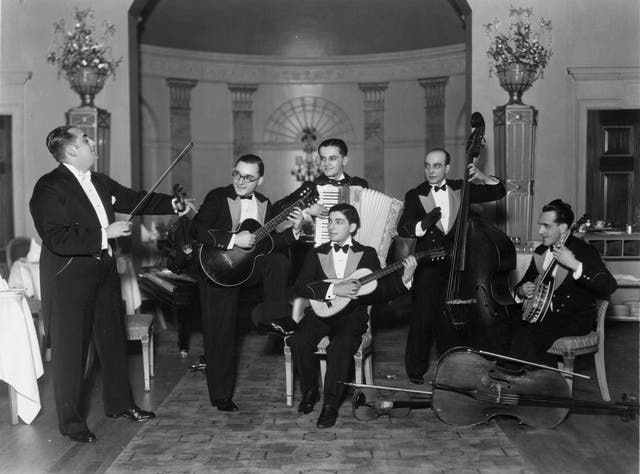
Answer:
(240, 178)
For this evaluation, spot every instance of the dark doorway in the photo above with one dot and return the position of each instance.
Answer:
(613, 165)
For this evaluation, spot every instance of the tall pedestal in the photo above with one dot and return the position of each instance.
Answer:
(242, 109)
(515, 132)
(180, 127)
(374, 132)
(96, 123)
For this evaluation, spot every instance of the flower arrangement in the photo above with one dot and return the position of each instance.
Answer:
(520, 44)
(77, 49)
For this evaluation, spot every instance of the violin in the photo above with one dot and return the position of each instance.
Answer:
(469, 388)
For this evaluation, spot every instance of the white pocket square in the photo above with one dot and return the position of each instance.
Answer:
(113, 200)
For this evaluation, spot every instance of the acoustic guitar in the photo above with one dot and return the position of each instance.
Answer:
(232, 267)
(368, 281)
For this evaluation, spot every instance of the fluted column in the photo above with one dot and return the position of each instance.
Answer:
(434, 106)
(242, 107)
(374, 132)
(180, 129)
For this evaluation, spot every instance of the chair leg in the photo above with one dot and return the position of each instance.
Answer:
(368, 370)
(160, 316)
(601, 373)
(151, 351)
(568, 366)
(288, 373)
(13, 405)
(357, 360)
(145, 363)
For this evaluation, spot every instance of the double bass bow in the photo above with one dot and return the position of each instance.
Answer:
(469, 388)
(481, 258)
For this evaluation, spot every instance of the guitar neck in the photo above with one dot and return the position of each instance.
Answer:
(270, 226)
(388, 269)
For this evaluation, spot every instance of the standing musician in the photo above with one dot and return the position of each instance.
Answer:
(333, 159)
(222, 211)
(73, 211)
(430, 213)
(337, 259)
(580, 279)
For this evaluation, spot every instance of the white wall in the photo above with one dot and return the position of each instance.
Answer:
(586, 34)
(38, 105)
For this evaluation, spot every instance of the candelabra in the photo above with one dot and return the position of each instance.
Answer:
(307, 167)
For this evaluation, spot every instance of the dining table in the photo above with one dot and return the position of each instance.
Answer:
(20, 360)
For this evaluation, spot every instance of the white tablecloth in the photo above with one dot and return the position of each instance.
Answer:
(26, 274)
(20, 361)
(523, 259)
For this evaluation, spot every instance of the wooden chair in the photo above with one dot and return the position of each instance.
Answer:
(593, 343)
(140, 328)
(362, 358)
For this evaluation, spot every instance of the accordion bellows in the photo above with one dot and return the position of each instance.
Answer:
(379, 215)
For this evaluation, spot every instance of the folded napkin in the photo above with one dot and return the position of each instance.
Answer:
(34, 252)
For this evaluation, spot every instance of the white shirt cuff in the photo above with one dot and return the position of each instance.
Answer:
(419, 230)
(578, 273)
(232, 242)
(330, 295)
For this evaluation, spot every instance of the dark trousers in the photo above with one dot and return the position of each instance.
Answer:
(345, 335)
(531, 340)
(86, 302)
(428, 320)
(219, 314)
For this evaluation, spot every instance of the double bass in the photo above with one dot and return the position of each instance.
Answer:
(481, 259)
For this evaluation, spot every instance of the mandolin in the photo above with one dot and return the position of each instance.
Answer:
(232, 267)
(368, 283)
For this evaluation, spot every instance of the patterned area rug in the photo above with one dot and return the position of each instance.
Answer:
(189, 435)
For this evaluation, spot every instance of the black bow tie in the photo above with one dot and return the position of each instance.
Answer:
(250, 196)
(344, 248)
(338, 182)
(440, 188)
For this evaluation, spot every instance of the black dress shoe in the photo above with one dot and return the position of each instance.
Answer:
(328, 417)
(135, 413)
(225, 404)
(309, 400)
(85, 436)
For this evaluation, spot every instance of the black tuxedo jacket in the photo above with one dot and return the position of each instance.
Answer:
(418, 202)
(575, 298)
(68, 224)
(219, 217)
(318, 266)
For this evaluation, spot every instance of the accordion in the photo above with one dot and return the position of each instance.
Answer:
(379, 215)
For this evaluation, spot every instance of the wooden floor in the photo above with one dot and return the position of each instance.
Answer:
(584, 443)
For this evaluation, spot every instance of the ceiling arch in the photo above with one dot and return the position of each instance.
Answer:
(301, 28)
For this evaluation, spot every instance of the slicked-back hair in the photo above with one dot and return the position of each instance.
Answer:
(349, 212)
(564, 213)
(447, 156)
(342, 146)
(252, 160)
(58, 139)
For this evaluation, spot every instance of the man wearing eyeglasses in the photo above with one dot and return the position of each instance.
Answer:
(221, 213)
(429, 215)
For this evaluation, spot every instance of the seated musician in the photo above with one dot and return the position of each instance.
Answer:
(430, 214)
(333, 159)
(580, 278)
(222, 211)
(337, 259)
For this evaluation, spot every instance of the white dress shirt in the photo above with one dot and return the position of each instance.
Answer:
(441, 199)
(339, 264)
(84, 178)
(248, 210)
